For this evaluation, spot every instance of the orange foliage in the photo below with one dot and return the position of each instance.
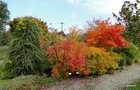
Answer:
(106, 35)
(66, 56)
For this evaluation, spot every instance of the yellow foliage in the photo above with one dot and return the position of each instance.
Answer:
(75, 33)
(101, 61)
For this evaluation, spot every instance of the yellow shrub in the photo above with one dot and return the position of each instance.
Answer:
(75, 33)
(101, 61)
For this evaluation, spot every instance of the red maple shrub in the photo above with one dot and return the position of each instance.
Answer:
(66, 57)
(106, 35)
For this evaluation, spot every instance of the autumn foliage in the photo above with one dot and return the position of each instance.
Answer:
(70, 56)
(39, 49)
(99, 61)
(75, 33)
(106, 35)
(65, 57)
(90, 58)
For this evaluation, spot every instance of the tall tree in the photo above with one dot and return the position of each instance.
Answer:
(130, 17)
(4, 15)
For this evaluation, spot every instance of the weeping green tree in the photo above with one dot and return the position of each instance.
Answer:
(25, 52)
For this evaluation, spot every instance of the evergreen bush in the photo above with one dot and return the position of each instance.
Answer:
(129, 54)
(25, 52)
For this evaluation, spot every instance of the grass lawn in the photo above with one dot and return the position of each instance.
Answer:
(3, 83)
(134, 86)
(4, 52)
(28, 82)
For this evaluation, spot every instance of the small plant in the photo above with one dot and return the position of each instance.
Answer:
(50, 80)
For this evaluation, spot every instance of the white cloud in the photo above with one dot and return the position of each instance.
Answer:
(75, 2)
(104, 6)
(102, 9)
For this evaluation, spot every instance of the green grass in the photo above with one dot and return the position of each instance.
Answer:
(133, 86)
(29, 82)
(3, 83)
(26, 82)
(4, 52)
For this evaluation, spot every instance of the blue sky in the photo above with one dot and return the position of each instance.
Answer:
(71, 12)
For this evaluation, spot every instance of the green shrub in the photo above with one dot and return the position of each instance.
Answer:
(6, 69)
(4, 50)
(129, 54)
(4, 38)
(53, 37)
(25, 52)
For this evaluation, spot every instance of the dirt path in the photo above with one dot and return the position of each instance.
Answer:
(106, 82)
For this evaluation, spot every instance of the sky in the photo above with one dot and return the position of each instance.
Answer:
(71, 12)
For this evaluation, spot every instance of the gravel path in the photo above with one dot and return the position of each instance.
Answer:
(121, 78)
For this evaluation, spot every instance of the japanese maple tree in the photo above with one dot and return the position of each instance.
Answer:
(106, 35)
(65, 57)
